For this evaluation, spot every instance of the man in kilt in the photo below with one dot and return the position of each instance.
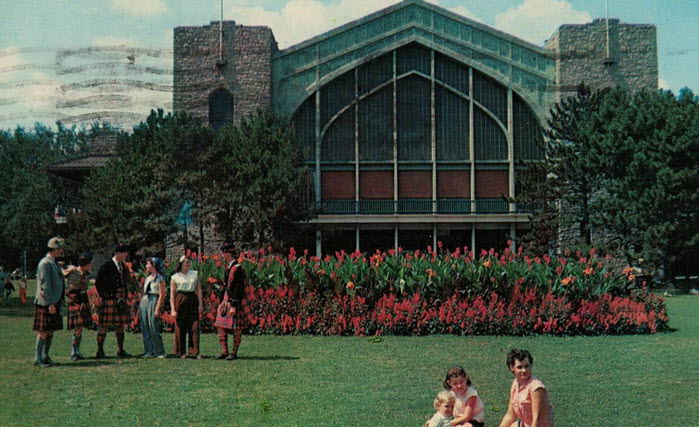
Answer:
(49, 294)
(79, 314)
(113, 310)
(234, 288)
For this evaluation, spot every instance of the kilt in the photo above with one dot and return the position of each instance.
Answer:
(79, 314)
(239, 320)
(109, 314)
(45, 322)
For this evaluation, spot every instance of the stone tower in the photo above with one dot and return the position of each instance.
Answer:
(237, 59)
(601, 55)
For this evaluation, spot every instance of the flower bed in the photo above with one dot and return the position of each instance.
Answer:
(416, 293)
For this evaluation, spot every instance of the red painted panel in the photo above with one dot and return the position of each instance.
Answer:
(453, 184)
(414, 184)
(489, 184)
(376, 185)
(337, 185)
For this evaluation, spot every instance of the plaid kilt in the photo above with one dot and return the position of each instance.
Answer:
(239, 320)
(45, 322)
(109, 314)
(79, 314)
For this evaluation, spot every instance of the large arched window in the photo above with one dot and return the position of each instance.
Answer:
(221, 108)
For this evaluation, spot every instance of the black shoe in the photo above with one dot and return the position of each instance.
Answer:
(75, 357)
(41, 364)
(100, 355)
(231, 357)
(123, 355)
(222, 356)
(49, 361)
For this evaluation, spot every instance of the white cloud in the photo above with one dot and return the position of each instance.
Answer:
(300, 20)
(536, 20)
(140, 7)
(113, 41)
(463, 11)
(663, 84)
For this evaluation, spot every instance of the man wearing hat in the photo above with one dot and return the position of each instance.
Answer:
(49, 294)
(113, 311)
(234, 289)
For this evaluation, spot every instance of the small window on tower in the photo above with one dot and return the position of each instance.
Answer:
(220, 108)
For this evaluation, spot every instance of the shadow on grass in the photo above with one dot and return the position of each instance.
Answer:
(267, 358)
(81, 364)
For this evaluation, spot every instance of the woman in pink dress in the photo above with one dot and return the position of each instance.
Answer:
(529, 403)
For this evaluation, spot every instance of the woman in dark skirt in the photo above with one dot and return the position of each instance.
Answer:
(49, 294)
(187, 308)
(79, 314)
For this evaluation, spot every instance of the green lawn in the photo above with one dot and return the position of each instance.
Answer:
(318, 381)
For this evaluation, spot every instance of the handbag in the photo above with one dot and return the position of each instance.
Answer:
(225, 314)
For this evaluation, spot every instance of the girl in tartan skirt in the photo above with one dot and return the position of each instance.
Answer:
(79, 314)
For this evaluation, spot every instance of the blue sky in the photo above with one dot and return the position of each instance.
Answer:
(76, 60)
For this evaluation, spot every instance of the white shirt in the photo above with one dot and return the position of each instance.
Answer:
(185, 283)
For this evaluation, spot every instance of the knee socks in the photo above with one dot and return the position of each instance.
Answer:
(75, 350)
(47, 346)
(236, 341)
(101, 336)
(39, 353)
(120, 339)
(223, 341)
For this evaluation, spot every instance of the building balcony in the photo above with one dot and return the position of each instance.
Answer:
(417, 206)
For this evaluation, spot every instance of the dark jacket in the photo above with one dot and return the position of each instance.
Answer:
(234, 285)
(109, 279)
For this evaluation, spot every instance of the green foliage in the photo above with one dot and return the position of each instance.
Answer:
(135, 198)
(28, 195)
(622, 168)
(259, 174)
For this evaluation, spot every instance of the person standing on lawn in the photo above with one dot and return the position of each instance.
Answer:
(79, 314)
(233, 294)
(8, 287)
(113, 311)
(149, 310)
(49, 294)
(529, 403)
(187, 305)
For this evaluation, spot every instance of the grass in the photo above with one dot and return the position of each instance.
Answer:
(334, 381)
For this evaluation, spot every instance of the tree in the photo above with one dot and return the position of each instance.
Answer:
(136, 197)
(650, 172)
(623, 166)
(258, 176)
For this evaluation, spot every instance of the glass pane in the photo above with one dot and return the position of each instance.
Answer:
(490, 140)
(491, 94)
(338, 142)
(451, 73)
(220, 108)
(413, 57)
(376, 126)
(336, 95)
(452, 125)
(413, 106)
(374, 73)
(528, 135)
(304, 123)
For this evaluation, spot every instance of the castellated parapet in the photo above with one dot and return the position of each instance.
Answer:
(581, 56)
(243, 67)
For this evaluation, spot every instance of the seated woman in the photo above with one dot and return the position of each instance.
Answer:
(529, 403)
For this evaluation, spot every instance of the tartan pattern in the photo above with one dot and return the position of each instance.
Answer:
(109, 314)
(45, 322)
(79, 314)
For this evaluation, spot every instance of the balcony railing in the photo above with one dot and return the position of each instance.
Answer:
(415, 206)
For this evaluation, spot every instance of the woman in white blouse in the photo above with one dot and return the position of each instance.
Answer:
(149, 309)
(187, 308)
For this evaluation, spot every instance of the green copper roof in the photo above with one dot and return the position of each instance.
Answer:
(298, 70)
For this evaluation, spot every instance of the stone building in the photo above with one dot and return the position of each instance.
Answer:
(416, 122)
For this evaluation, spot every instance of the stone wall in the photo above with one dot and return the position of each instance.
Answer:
(246, 68)
(581, 56)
